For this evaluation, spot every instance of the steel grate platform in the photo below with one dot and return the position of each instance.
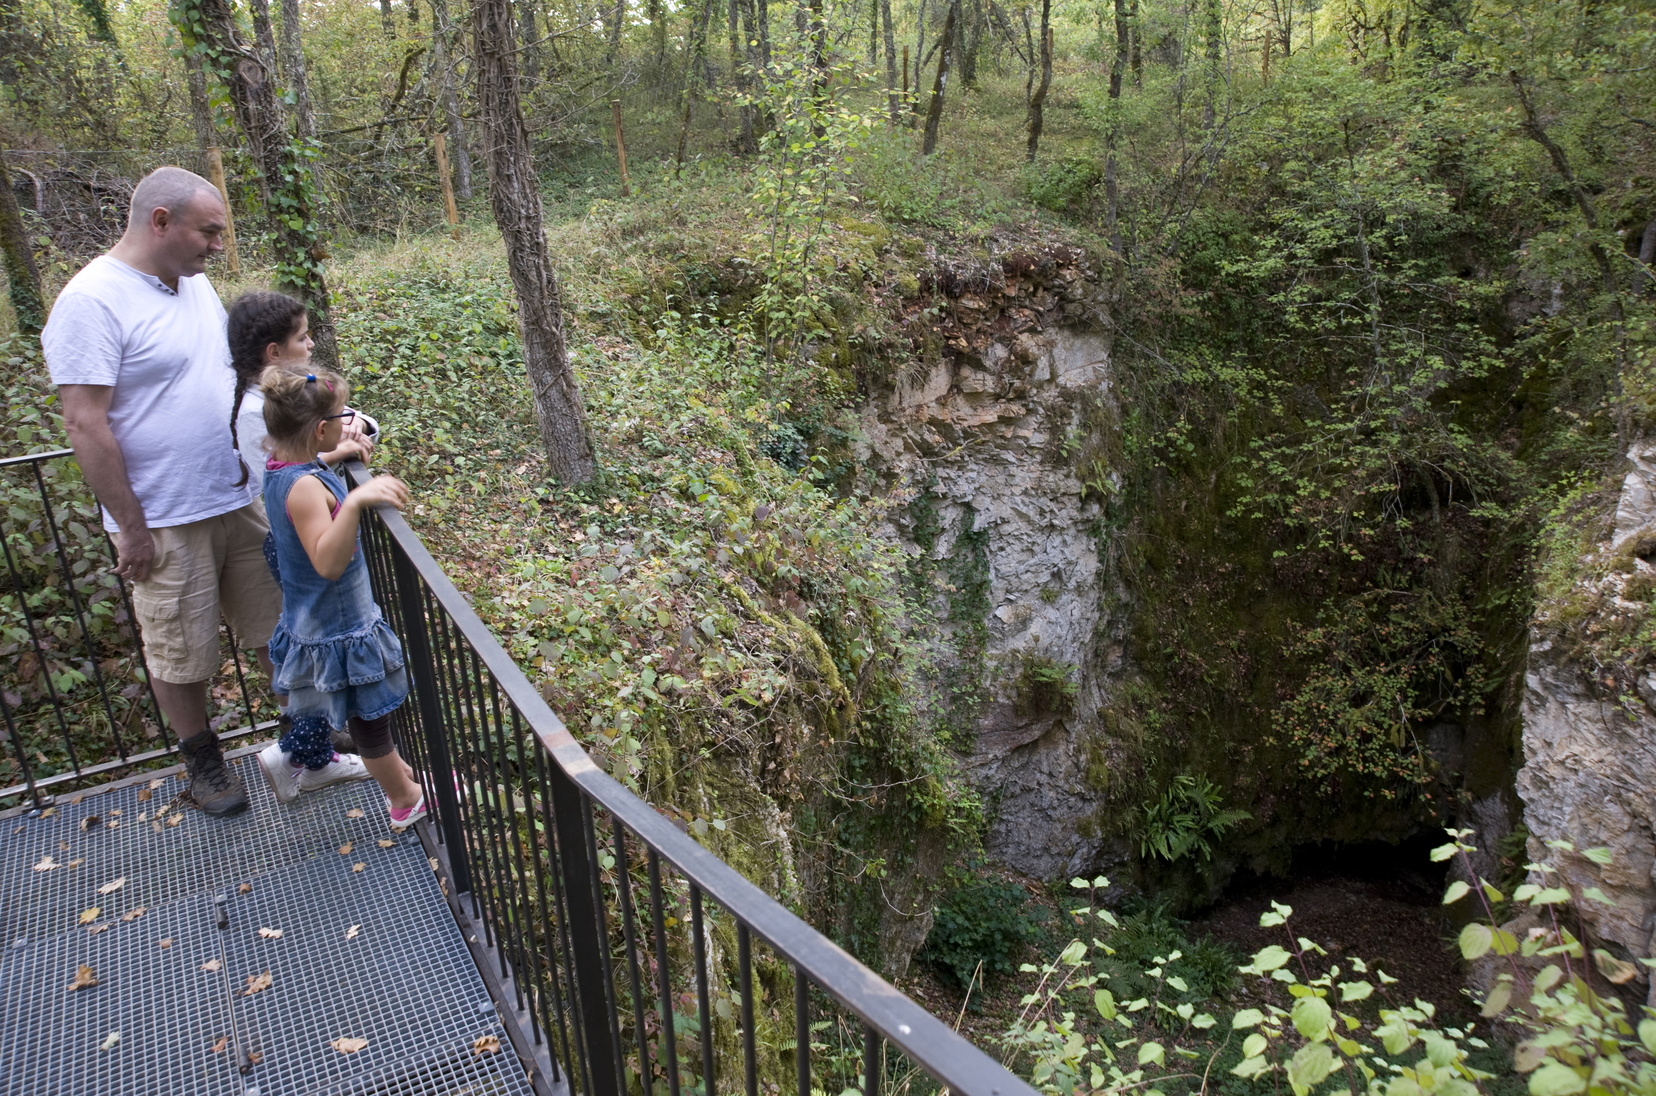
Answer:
(405, 981)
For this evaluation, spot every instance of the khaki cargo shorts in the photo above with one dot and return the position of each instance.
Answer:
(204, 569)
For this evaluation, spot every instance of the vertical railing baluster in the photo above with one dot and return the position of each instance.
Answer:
(563, 958)
(583, 890)
(750, 1038)
(802, 1031)
(630, 929)
(418, 642)
(658, 925)
(611, 1005)
(40, 653)
(873, 1067)
(703, 1011)
(23, 755)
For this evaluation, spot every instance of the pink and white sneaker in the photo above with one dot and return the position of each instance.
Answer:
(404, 817)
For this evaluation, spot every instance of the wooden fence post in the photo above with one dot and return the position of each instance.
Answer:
(439, 142)
(621, 148)
(215, 173)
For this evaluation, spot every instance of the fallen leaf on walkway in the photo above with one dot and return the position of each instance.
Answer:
(76, 863)
(271, 934)
(89, 916)
(134, 913)
(17, 831)
(352, 932)
(218, 1047)
(89, 821)
(110, 1040)
(355, 812)
(257, 983)
(116, 813)
(48, 812)
(348, 1046)
(93, 930)
(112, 886)
(156, 825)
(245, 888)
(167, 943)
(255, 1056)
(144, 794)
(358, 867)
(345, 849)
(157, 782)
(85, 977)
(143, 816)
(113, 826)
(47, 864)
(175, 820)
(63, 846)
(211, 965)
(163, 809)
(486, 1044)
(75, 802)
(432, 860)
(386, 842)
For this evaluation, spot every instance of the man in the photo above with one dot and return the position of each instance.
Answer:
(136, 345)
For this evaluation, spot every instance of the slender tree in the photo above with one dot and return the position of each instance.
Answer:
(934, 110)
(386, 24)
(21, 273)
(442, 67)
(293, 70)
(514, 195)
(895, 101)
(529, 43)
(1037, 101)
(1112, 130)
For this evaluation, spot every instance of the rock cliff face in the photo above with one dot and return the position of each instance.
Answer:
(1005, 395)
(1589, 775)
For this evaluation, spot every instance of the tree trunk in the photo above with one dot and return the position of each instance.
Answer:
(617, 17)
(201, 111)
(1647, 256)
(515, 198)
(442, 42)
(21, 273)
(657, 13)
(919, 53)
(895, 102)
(386, 24)
(293, 70)
(969, 38)
(934, 110)
(529, 43)
(252, 93)
(1037, 102)
(1138, 46)
(263, 34)
(1112, 130)
(1213, 19)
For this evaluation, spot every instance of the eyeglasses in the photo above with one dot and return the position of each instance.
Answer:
(344, 416)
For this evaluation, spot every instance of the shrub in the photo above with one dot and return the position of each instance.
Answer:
(1063, 186)
(983, 924)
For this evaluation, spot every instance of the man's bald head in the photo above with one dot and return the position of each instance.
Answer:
(168, 188)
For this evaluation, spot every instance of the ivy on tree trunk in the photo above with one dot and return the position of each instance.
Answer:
(21, 272)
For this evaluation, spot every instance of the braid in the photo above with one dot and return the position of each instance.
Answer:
(235, 442)
(256, 320)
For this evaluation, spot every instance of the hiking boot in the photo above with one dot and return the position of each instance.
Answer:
(214, 786)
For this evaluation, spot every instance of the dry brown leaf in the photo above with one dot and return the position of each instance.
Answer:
(353, 932)
(432, 860)
(76, 863)
(245, 888)
(218, 1047)
(134, 913)
(144, 794)
(47, 864)
(75, 802)
(157, 782)
(162, 809)
(110, 1040)
(358, 867)
(164, 944)
(142, 817)
(48, 812)
(89, 821)
(348, 1046)
(112, 886)
(255, 1056)
(345, 849)
(89, 916)
(156, 825)
(486, 1044)
(85, 976)
(212, 966)
(257, 983)
(93, 930)
(271, 934)
(175, 820)
(386, 842)
(355, 812)
(63, 846)
(113, 826)
(116, 813)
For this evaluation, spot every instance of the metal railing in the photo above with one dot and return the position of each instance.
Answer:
(76, 704)
(647, 964)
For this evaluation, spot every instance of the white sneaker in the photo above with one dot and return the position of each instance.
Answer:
(279, 773)
(343, 767)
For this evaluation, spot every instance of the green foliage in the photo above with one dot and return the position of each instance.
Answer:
(1064, 186)
(980, 931)
(1044, 687)
(1185, 819)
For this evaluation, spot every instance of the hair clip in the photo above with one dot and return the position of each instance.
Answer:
(310, 378)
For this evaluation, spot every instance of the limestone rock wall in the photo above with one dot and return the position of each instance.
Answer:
(1589, 774)
(1006, 379)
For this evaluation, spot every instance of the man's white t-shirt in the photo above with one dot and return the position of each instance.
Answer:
(166, 356)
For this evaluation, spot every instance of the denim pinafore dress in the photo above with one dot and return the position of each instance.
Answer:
(333, 652)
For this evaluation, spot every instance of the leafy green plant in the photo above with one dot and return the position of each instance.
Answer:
(1184, 819)
(1064, 186)
(1045, 686)
(979, 931)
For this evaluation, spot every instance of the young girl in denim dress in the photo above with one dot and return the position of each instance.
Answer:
(334, 655)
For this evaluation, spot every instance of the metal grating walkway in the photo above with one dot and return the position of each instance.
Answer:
(404, 981)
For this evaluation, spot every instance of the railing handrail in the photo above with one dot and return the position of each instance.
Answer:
(942, 1052)
(6, 462)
